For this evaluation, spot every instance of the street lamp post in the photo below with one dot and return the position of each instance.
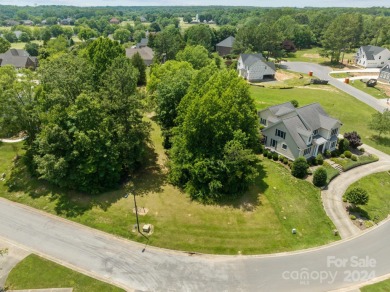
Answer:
(136, 212)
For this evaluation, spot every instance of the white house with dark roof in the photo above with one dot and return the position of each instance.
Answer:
(372, 56)
(293, 132)
(225, 47)
(384, 74)
(254, 67)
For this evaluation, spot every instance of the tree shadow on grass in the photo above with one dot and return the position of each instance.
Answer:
(382, 140)
(149, 178)
(251, 199)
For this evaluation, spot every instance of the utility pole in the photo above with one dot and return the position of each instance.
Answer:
(136, 212)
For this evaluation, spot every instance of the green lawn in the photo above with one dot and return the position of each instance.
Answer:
(354, 114)
(330, 172)
(260, 221)
(21, 45)
(373, 91)
(383, 286)
(378, 188)
(35, 272)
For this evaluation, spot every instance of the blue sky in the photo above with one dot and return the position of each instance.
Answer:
(260, 3)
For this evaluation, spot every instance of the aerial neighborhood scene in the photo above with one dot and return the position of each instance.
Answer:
(203, 146)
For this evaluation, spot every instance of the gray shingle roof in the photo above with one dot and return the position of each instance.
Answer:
(146, 53)
(386, 68)
(228, 42)
(293, 124)
(281, 107)
(18, 58)
(371, 51)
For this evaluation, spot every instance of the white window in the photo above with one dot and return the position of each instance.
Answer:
(263, 121)
(334, 132)
(274, 143)
(315, 132)
(284, 146)
(333, 145)
(310, 139)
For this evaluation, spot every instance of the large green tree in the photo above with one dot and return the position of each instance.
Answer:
(214, 142)
(4, 45)
(200, 34)
(380, 122)
(140, 65)
(167, 43)
(197, 56)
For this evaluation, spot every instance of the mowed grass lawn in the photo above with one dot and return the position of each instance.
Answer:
(35, 272)
(373, 91)
(354, 114)
(258, 222)
(378, 187)
(383, 286)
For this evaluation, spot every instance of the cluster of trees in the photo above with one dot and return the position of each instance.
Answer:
(83, 121)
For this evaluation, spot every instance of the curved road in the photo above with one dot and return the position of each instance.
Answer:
(322, 72)
(124, 263)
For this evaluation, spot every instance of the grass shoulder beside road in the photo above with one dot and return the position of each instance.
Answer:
(383, 286)
(34, 272)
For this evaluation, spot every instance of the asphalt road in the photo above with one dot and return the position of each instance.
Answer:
(126, 264)
(322, 72)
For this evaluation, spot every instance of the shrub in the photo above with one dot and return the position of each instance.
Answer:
(285, 160)
(348, 154)
(342, 156)
(353, 139)
(269, 155)
(354, 157)
(275, 156)
(320, 159)
(280, 158)
(295, 103)
(343, 145)
(299, 167)
(261, 149)
(265, 153)
(361, 149)
(357, 196)
(320, 176)
(353, 217)
(334, 153)
(328, 153)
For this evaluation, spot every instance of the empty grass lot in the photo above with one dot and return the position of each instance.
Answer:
(312, 55)
(354, 114)
(258, 222)
(35, 272)
(378, 187)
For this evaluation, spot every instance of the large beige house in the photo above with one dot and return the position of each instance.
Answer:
(293, 132)
(254, 67)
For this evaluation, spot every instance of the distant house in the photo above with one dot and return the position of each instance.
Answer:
(372, 56)
(225, 47)
(67, 21)
(293, 132)
(11, 22)
(114, 20)
(384, 75)
(143, 43)
(143, 19)
(28, 22)
(146, 53)
(211, 22)
(44, 22)
(18, 58)
(253, 67)
(288, 46)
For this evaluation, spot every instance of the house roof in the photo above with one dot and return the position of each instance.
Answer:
(18, 58)
(146, 53)
(228, 42)
(306, 119)
(386, 68)
(371, 51)
(250, 59)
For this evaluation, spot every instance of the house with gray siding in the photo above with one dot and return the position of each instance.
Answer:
(254, 67)
(19, 59)
(372, 56)
(384, 74)
(294, 132)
